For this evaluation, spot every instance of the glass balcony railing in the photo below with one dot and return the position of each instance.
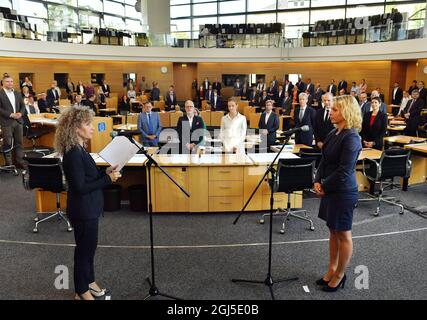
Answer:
(99, 36)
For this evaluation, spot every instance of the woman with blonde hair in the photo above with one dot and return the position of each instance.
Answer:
(85, 197)
(336, 184)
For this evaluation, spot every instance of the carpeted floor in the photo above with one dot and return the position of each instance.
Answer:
(198, 254)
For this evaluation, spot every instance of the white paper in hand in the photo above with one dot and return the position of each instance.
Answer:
(118, 152)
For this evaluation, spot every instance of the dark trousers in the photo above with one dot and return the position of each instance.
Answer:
(13, 136)
(86, 237)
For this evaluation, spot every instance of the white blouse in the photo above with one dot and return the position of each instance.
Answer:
(233, 132)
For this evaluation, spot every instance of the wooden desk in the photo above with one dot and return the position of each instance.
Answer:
(419, 162)
(216, 182)
(126, 127)
(402, 140)
(294, 148)
(396, 128)
(46, 123)
(107, 111)
(362, 181)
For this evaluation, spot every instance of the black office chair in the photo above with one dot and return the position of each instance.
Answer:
(3, 149)
(33, 136)
(46, 174)
(312, 153)
(292, 175)
(393, 163)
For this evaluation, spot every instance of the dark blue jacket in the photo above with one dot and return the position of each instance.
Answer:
(85, 183)
(309, 119)
(337, 169)
(272, 126)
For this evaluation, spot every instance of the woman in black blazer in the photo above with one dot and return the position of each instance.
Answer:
(336, 184)
(85, 198)
(374, 126)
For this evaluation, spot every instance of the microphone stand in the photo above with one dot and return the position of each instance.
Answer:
(269, 282)
(154, 291)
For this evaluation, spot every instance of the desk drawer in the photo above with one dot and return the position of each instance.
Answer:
(226, 204)
(281, 200)
(225, 188)
(226, 174)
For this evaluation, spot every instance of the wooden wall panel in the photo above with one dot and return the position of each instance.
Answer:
(183, 78)
(398, 73)
(376, 73)
(420, 75)
(44, 69)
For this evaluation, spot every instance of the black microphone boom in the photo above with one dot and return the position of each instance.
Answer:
(294, 130)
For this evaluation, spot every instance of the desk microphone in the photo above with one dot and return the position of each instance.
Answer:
(294, 130)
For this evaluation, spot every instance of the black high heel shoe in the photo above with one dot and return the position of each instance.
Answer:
(341, 284)
(322, 282)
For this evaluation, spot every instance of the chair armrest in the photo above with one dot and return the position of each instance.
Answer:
(26, 180)
(408, 169)
(378, 171)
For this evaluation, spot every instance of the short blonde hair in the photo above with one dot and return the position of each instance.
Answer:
(350, 111)
(66, 132)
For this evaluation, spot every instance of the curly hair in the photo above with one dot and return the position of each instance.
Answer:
(350, 111)
(66, 132)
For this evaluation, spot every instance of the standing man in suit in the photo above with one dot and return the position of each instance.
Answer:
(263, 100)
(271, 91)
(318, 94)
(287, 104)
(81, 90)
(300, 85)
(397, 95)
(216, 85)
(422, 91)
(149, 126)
(216, 103)
(412, 114)
(245, 90)
(332, 88)
(155, 92)
(52, 96)
(12, 109)
(191, 129)
(413, 86)
(365, 105)
(171, 100)
(261, 86)
(237, 88)
(209, 94)
(275, 84)
(253, 96)
(288, 86)
(268, 124)
(206, 84)
(342, 85)
(105, 88)
(310, 87)
(323, 124)
(280, 96)
(304, 116)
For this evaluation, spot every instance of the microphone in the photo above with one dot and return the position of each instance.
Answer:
(294, 130)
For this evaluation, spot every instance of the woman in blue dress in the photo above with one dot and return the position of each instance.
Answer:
(336, 184)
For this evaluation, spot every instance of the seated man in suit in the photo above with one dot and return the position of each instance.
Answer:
(171, 100)
(374, 126)
(216, 103)
(191, 129)
(268, 124)
(149, 126)
(304, 116)
(42, 103)
(323, 124)
(412, 114)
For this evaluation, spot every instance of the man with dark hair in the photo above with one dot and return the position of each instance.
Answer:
(12, 109)
(412, 114)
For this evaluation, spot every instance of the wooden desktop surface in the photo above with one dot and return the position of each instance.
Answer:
(403, 139)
